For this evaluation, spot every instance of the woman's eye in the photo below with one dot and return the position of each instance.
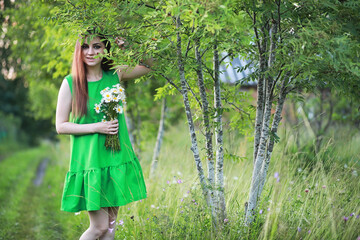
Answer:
(97, 47)
(85, 46)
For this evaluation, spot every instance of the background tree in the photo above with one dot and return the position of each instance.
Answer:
(293, 51)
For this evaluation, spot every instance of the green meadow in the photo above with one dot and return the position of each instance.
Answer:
(306, 196)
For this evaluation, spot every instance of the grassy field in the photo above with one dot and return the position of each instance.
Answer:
(311, 196)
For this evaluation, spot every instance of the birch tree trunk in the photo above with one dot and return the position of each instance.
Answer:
(255, 182)
(276, 120)
(158, 139)
(206, 121)
(220, 195)
(261, 94)
(194, 146)
(261, 150)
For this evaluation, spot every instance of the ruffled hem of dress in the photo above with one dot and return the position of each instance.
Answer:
(104, 187)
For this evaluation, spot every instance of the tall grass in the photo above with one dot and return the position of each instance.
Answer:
(311, 196)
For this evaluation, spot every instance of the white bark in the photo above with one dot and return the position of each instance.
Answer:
(220, 195)
(255, 182)
(205, 111)
(274, 127)
(194, 146)
(158, 139)
(261, 148)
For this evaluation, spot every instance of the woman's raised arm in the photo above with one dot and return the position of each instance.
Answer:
(128, 73)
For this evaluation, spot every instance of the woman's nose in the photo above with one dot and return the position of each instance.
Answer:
(91, 50)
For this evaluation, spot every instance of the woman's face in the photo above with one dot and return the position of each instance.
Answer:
(91, 48)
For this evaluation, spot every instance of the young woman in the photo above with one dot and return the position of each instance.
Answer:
(99, 180)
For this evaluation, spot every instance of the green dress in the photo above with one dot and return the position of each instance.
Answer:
(99, 177)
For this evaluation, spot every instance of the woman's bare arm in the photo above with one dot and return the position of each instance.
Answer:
(63, 126)
(128, 73)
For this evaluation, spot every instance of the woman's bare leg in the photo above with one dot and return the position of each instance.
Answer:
(110, 234)
(99, 224)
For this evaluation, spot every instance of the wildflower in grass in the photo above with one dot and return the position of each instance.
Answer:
(352, 214)
(181, 211)
(77, 213)
(309, 231)
(195, 203)
(358, 238)
(179, 181)
(188, 192)
(345, 219)
(121, 222)
(226, 220)
(299, 229)
(268, 209)
(112, 222)
(323, 186)
(152, 206)
(182, 199)
(235, 178)
(307, 190)
(163, 189)
(276, 175)
(179, 173)
(147, 219)
(354, 173)
(357, 216)
(111, 230)
(168, 182)
(128, 208)
(261, 211)
(140, 200)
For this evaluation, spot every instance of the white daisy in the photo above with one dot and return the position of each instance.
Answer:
(118, 109)
(104, 90)
(115, 98)
(114, 90)
(117, 85)
(107, 96)
(97, 107)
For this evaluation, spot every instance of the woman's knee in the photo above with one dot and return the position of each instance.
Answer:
(100, 230)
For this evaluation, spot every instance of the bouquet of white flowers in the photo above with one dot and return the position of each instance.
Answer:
(110, 106)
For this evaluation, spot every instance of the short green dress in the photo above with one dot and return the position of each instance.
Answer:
(99, 177)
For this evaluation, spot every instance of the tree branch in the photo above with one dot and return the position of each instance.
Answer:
(171, 82)
(194, 95)
(239, 109)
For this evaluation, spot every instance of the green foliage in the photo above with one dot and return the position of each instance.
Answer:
(285, 207)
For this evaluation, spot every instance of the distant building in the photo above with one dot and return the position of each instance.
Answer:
(229, 73)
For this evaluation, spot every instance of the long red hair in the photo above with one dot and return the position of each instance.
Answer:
(78, 72)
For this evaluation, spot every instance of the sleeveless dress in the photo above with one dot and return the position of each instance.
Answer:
(98, 177)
